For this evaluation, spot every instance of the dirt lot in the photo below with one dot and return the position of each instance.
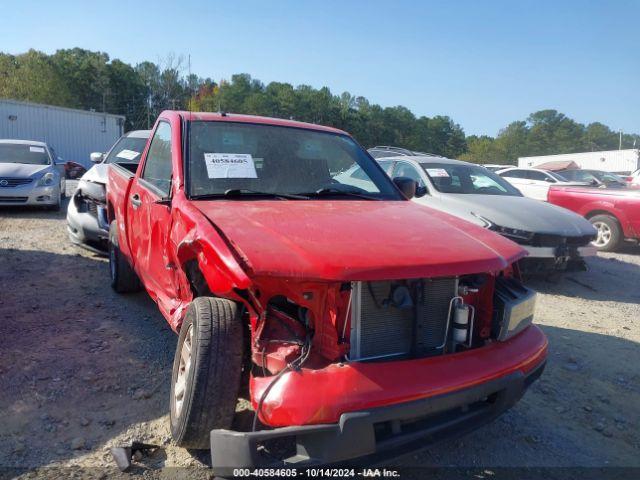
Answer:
(83, 369)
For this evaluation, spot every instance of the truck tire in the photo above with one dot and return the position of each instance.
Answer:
(206, 371)
(609, 232)
(123, 278)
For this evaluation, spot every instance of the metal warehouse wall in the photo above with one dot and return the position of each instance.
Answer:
(74, 134)
(609, 160)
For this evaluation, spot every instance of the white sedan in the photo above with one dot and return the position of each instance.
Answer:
(533, 182)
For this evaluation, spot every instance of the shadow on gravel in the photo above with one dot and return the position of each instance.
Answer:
(609, 279)
(79, 364)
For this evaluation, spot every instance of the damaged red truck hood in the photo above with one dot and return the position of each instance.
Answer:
(356, 240)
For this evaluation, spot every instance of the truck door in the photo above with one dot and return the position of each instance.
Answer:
(150, 221)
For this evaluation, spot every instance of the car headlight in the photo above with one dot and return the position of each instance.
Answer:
(46, 180)
(94, 190)
(514, 307)
(512, 233)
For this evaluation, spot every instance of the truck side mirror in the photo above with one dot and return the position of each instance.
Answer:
(407, 186)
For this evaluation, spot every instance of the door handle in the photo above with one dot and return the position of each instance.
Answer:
(135, 200)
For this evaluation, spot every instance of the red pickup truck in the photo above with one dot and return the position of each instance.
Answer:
(360, 320)
(614, 212)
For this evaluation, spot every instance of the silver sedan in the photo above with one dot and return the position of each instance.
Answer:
(30, 174)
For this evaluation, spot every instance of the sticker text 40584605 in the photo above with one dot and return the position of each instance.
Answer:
(230, 165)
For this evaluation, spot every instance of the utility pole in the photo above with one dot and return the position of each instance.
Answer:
(104, 112)
(620, 144)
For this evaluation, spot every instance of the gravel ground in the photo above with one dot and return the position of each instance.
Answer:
(83, 369)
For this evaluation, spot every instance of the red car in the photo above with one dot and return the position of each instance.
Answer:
(614, 212)
(360, 320)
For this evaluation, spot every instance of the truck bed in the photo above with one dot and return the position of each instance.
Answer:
(119, 180)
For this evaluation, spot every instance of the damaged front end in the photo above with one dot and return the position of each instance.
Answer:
(346, 369)
(87, 219)
(549, 252)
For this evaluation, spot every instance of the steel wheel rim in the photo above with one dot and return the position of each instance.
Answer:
(604, 234)
(180, 387)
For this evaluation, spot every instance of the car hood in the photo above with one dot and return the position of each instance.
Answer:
(97, 173)
(355, 240)
(521, 213)
(21, 170)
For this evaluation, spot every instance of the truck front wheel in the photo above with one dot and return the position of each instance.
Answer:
(206, 371)
(123, 278)
(609, 232)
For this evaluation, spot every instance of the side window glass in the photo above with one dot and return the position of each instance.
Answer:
(539, 176)
(406, 170)
(387, 166)
(157, 168)
(512, 174)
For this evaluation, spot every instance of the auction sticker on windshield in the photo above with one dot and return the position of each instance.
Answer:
(230, 165)
(128, 154)
(36, 149)
(437, 172)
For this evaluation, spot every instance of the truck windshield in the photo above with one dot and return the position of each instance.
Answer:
(23, 153)
(234, 159)
(127, 150)
(467, 179)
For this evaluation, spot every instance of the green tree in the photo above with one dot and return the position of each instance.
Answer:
(33, 77)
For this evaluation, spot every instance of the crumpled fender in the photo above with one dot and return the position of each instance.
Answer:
(196, 238)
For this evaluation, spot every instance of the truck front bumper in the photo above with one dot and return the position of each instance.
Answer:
(444, 413)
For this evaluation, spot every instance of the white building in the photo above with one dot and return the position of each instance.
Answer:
(74, 134)
(618, 161)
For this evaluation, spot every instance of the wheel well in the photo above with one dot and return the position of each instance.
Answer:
(601, 212)
(111, 213)
(199, 286)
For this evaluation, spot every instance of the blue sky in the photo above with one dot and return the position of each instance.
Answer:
(484, 63)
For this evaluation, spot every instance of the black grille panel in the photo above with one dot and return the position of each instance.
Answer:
(380, 329)
(13, 182)
(93, 209)
(548, 240)
(13, 199)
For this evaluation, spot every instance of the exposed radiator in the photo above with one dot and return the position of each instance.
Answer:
(381, 329)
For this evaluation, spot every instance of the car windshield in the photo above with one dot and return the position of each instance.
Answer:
(23, 153)
(557, 176)
(127, 150)
(467, 179)
(607, 177)
(590, 175)
(233, 159)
